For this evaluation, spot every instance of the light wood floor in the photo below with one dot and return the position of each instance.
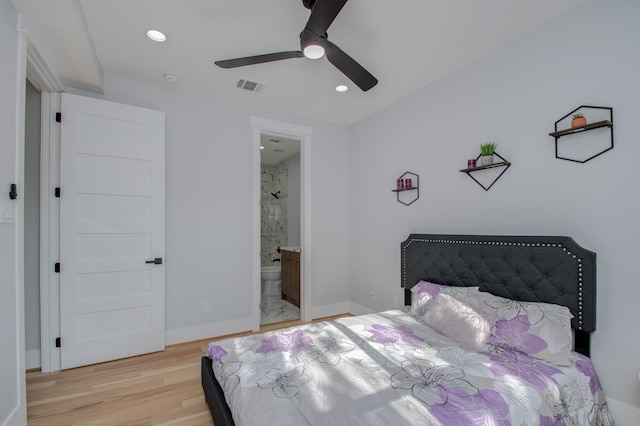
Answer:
(161, 388)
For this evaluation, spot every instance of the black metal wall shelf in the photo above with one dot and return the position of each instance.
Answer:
(587, 127)
(504, 163)
(596, 125)
(405, 189)
(411, 188)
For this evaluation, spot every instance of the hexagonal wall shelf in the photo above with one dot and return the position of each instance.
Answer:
(408, 182)
(587, 147)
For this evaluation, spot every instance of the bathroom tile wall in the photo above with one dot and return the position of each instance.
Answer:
(273, 211)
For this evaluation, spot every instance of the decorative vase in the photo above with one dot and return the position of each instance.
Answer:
(485, 160)
(577, 122)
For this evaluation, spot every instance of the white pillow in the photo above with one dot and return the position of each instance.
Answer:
(458, 321)
(425, 291)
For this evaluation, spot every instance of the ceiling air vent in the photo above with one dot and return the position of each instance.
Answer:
(251, 86)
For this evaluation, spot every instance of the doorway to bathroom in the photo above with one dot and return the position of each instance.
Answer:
(280, 236)
(303, 249)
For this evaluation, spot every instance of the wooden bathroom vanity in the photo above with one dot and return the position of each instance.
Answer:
(291, 276)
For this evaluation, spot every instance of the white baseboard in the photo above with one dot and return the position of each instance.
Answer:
(329, 310)
(223, 328)
(205, 331)
(356, 309)
(623, 414)
(32, 359)
(339, 308)
(18, 417)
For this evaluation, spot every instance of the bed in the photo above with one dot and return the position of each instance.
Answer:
(496, 330)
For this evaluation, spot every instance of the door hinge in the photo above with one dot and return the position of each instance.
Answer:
(13, 191)
(56, 267)
(57, 192)
(58, 343)
(58, 117)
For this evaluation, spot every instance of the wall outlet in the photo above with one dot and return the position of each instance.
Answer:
(372, 296)
(205, 306)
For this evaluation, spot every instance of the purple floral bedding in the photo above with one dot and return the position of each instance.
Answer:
(389, 368)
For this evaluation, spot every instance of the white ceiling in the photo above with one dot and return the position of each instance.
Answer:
(405, 44)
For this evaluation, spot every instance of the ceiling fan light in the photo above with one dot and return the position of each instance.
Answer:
(313, 51)
(156, 35)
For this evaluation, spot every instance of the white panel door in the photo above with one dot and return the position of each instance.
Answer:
(112, 179)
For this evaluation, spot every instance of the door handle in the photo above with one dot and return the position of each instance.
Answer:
(156, 261)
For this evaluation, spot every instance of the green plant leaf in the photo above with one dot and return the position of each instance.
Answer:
(488, 148)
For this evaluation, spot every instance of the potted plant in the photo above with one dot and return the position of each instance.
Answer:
(578, 120)
(486, 152)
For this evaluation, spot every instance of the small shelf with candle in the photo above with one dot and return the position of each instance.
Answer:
(471, 167)
(407, 182)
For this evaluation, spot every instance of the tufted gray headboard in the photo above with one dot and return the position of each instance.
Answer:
(527, 268)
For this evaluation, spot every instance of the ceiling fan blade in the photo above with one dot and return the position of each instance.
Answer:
(259, 59)
(349, 67)
(323, 14)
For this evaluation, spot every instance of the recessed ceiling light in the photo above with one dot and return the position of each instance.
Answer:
(170, 77)
(341, 88)
(156, 35)
(261, 147)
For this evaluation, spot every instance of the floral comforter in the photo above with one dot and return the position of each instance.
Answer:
(388, 368)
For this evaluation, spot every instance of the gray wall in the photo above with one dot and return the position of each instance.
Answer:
(513, 97)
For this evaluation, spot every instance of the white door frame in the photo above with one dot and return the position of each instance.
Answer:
(294, 131)
(49, 234)
(44, 79)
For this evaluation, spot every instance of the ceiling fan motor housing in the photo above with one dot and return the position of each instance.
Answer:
(308, 3)
(308, 37)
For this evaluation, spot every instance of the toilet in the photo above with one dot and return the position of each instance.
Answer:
(271, 280)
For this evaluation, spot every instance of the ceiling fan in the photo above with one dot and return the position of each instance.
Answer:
(314, 45)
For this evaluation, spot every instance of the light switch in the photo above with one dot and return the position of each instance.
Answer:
(7, 212)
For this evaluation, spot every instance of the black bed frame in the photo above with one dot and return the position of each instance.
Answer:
(525, 268)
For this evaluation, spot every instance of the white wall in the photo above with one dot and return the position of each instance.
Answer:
(293, 201)
(209, 201)
(12, 75)
(514, 96)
